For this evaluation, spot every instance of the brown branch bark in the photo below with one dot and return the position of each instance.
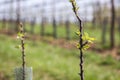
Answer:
(80, 42)
(23, 52)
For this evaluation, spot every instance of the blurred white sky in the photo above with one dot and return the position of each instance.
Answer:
(32, 8)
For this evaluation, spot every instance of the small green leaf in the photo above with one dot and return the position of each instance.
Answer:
(20, 34)
(85, 47)
(78, 45)
(18, 46)
(77, 33)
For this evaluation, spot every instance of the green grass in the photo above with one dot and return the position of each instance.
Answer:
(55, 63)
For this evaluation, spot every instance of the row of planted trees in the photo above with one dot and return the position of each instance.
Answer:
(30, 27)
(67, 25)
(98, 19)
(110, 18)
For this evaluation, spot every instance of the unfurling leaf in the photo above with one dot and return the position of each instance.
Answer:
(77, 33)
(87, 40)
(18, 46)
(85, 47)
(78, 45)
(20, 34)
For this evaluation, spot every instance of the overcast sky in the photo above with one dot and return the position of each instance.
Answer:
(32, 8)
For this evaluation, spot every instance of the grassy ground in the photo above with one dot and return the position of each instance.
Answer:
(55, 63)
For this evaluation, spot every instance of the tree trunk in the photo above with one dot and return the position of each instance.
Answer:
(119, 24)
(67, 30)
(33, 25)
(18, 15)
(24, 24)
(54, 29)
(42, 27)
(4, 23)
(112, 37)
(119, 29)
(104, 28)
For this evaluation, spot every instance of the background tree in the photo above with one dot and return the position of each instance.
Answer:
(11, 16)
(112, 33)
(42, 19)
(96, 14)
(24, 24)
(54, 21)
(33, 25)
(43, 26)
(4, 22)
(67, 29)
(118, 20)
(104, 30)
(119, 24)
(18, 15)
